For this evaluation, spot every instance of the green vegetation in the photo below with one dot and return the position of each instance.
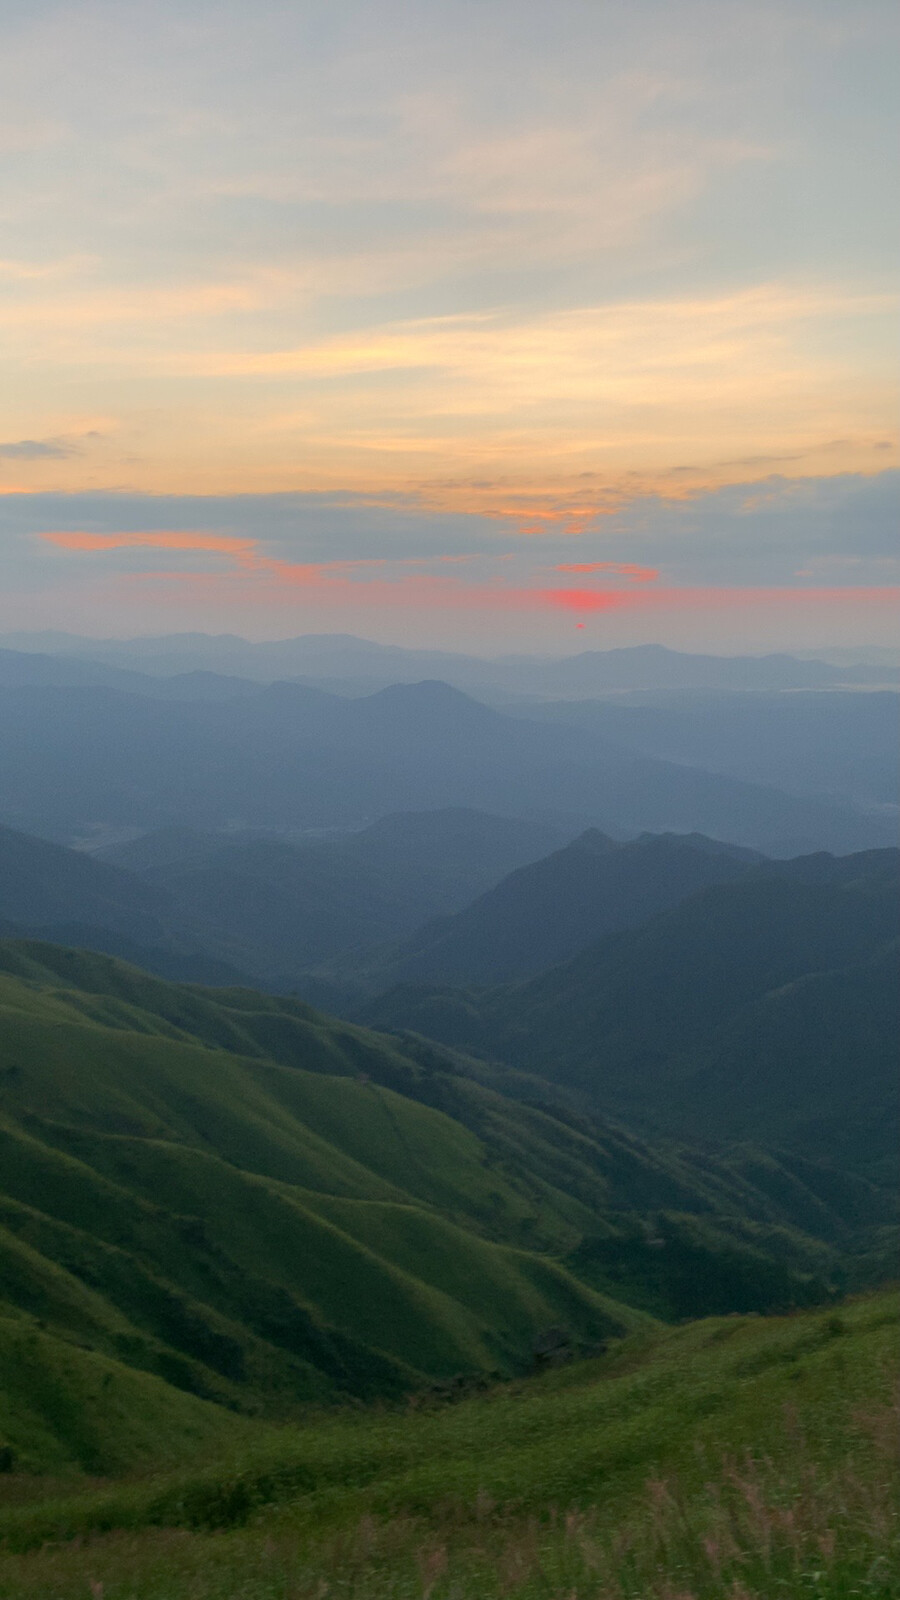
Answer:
(739, 1457)
(61, 1404)
(279, 1293)
(225, 1198)
(257, 1233)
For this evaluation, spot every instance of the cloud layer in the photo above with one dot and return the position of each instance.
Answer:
(596, 297)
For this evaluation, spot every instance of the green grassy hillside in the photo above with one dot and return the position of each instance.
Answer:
(265, 1209)
(256, 1233)
(66, 1410)
(739, 1457)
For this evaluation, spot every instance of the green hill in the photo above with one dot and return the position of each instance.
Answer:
(65, 1409)
(266, 1208)
(739, 1457)
(263, 1233)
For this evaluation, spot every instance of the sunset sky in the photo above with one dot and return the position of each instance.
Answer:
(495, 324)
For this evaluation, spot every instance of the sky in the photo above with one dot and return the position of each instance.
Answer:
(488, 324)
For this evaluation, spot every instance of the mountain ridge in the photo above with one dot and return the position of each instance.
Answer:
(631, 1020)
(546, 911)
(286, 757)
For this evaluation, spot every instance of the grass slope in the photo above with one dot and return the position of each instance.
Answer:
(266, 1209)
(257, 1233)
(66, 1410)
(739, 1457)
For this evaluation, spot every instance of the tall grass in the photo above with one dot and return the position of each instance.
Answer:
(741, 1460)
(753, 1532)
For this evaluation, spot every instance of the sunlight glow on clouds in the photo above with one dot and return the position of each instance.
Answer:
(613, 279)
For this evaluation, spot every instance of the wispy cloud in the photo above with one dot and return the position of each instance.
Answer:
(624, 569)
(168, 539)
(35, 450)
(270, 581)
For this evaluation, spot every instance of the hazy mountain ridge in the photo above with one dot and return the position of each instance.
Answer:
(218, 908)
(288, 757)
(343, 655)
(840, 746)
(546, 912)
(639, 1020)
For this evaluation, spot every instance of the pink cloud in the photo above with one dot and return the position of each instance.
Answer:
(275, 585)
(275, 582)
(715, 598)
(625, 569)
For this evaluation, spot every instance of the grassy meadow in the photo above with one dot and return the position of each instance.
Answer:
(740, 1457)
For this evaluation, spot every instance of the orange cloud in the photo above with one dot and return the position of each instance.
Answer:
(244, 552)
(220, 543)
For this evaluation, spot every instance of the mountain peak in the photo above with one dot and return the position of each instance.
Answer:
(594, 840)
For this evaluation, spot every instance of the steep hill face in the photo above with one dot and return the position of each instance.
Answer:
(262, 1207)
(704, 1018)
(249, 1230)
(546, 912)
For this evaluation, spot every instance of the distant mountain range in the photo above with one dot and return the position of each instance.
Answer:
(839, 746)
(361, 663)
(85, 761)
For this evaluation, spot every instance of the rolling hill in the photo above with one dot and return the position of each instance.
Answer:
(253, 1232)
(263, 1208)
(729, 1456)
